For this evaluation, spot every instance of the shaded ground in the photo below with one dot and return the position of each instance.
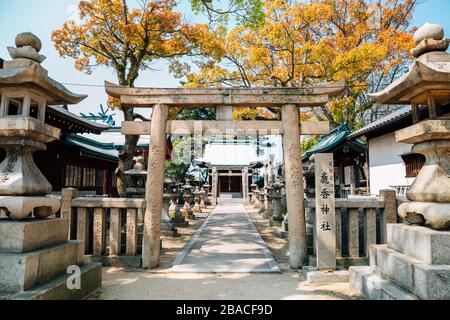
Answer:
(279, 247)
(197, 286)
(171, 247)
(161, 284)
(228, 242)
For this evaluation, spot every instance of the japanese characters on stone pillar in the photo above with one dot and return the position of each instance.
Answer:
(245, 186)
(215, 181)
(325, 212)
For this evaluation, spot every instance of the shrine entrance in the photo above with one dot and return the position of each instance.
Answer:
(230, 184)
(290, 101)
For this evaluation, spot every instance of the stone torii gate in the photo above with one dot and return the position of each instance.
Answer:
(289, 100)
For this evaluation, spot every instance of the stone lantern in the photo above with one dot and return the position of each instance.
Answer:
(415, 263)
(426, 84)
(207, 188)
(187, 196)
(174, 209)
(35, 254)
(310, 180)
(167, 226)
(277, 217)
(262, 199)
(254, 187)
(257, 199)
(26, 90)
(202, 198)
(138, 176)
(269, 197)
(197, 196)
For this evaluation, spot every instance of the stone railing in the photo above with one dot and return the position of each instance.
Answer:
(360, 223)
(108, 227)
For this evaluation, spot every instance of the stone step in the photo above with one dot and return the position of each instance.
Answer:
(26, 236)
(56, 289)
(373, 287)
(428, 282)
(21, 272)
(424, 244)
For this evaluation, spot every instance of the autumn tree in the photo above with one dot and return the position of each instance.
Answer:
(241, 12)
(128, 36)
(311, 43)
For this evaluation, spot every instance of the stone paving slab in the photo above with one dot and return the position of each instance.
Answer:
(228, 242)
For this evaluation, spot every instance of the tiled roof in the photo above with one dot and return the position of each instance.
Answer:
(117, 138)
(62, 112)
(385, 121)
(229, 154)
(105, 150)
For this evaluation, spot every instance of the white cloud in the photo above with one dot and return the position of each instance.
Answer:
(73, 12)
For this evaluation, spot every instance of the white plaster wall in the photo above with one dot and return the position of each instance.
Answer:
(386, 166)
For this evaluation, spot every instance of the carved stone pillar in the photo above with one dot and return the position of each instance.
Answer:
(155, 186)
(294, 185)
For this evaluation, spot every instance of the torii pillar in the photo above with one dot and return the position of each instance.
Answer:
(294, 185)
(155, 184)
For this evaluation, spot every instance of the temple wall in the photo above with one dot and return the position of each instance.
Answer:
(386, 166)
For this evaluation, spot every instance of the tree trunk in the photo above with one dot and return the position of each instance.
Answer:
(126, 156)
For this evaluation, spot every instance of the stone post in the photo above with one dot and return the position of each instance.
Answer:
(224, 113)
(270, 205)
(277, 217)
(262, 199)
(215, 181)
(202, 198)
(154, 190)
(67, 195)
(167, 225)
(389, 197)
(253, 187)
(256, 197)
(245, 186)
(294, 185)
(197, 195)
(174, 209)
(207, 195)
(325, 212)
(187, 196)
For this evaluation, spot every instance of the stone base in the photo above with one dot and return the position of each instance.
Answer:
(276, 221)
(56, 289)
(21, 272)
(20, 208)
(168, 229)
(436, 214)
(267, 215)
(180, 221)
(415, 261)
(425, 244)
(373, 287)
(313, 275)
(428, 282)
(282, 234)
(169, 233)
(197, 210)
(26, 236)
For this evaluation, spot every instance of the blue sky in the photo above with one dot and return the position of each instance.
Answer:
(43, 16)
